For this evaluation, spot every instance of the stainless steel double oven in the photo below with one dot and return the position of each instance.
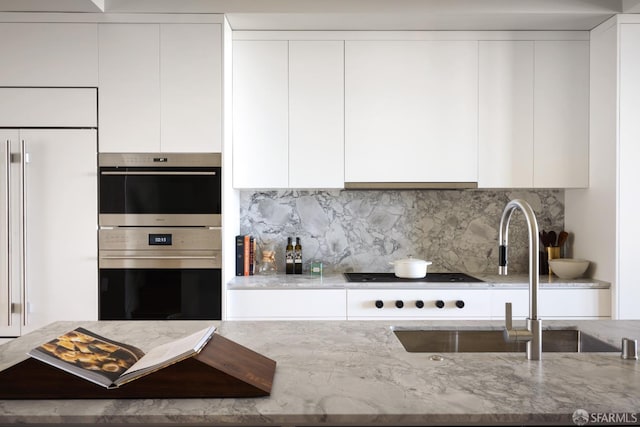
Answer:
(160, 236)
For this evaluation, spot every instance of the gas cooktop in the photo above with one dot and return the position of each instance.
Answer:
(390, 277)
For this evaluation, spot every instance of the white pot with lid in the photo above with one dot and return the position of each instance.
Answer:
(410, 268)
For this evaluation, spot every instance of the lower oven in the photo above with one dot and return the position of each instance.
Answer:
(160, 273)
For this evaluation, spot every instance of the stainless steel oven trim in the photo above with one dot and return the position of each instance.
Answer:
(159, 160)
(163, 220)
(210, 261)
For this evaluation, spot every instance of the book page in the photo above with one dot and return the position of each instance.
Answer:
(89, 356)
(172, 351)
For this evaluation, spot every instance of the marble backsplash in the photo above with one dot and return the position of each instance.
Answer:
(364, 230)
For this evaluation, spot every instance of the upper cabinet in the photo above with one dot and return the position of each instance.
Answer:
(561, 114)
(48, 54)
(288, 114)
(534, 114)
(160, 87)
(505, 133)
(411, 111)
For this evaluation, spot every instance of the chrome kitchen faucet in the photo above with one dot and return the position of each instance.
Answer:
(532, 334)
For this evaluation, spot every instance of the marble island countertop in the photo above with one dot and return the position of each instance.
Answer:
(358, 373)
(338, 281)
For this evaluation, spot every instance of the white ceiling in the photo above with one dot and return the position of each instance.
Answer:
(363, 14)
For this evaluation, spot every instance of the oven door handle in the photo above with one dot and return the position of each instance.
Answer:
(153, 173)
(160, 257)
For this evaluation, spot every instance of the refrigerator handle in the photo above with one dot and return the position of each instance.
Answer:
(7, 225)
(23, 261)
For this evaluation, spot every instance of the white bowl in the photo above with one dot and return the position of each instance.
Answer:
(568, 268)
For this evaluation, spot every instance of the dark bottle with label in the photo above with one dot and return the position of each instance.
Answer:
(288, 256)
(297, 257)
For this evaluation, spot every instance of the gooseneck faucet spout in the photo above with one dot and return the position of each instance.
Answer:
(533, 332)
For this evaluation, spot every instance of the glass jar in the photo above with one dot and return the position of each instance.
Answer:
(268, 263)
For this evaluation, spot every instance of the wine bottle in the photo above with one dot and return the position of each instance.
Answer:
(288, 256)
(297, 257)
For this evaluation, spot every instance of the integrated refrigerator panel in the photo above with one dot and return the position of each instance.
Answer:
(10, 282)
(49, 205)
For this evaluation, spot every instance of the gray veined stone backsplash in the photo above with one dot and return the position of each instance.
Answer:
(363, 230)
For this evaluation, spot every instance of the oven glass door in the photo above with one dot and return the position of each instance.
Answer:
(160, 191)
(158, 294)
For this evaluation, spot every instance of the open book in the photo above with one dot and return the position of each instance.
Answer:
(110, 363)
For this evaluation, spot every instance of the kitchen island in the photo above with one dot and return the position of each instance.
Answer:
(358, 373)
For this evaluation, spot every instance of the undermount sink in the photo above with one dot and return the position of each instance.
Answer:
(462, 340)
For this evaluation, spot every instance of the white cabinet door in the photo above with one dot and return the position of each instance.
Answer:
(191, 87)
(316, 114)
(260, 114)
(553, 303)
(293, 304)
(411, 111)
(628, 292)
(48, 107)
(129, 87)
(505, 128)
(61, 249)
(48, 54)
(561, 111)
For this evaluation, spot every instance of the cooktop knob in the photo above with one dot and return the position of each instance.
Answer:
(399, 304)
(440, 303)
(379, 304)
(460, 303)
(419, 303)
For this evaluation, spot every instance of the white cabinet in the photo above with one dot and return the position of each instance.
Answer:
(411, 111)
(505, 146)
(129, 102)
(628, 231)
(260, 114)
(316, 114)
(191, 87)
(604, 218)
(534, 107)
(554, 303)
(286, 304)
(160, 87)
(561, 112)
(288, 114)
(48, 54)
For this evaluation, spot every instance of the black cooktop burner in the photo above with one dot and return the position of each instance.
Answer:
(390, 277)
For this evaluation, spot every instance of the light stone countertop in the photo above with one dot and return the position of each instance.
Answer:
(338, 281)
(357, 373)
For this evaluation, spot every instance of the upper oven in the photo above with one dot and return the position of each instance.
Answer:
(164, 189)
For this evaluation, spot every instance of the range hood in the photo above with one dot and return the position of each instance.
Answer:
(409, 185)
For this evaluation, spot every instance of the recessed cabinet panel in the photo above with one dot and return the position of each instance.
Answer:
(297, 304)
(129, 98)
(506, 149)
(629, 173)
(316, 114)
(411, 111)
(191, 88)
(260, 114)
(49, 54)
(561, 112)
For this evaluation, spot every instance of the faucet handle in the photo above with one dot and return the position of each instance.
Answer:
(508, 316)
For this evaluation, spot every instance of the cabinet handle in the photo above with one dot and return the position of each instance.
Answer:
(23, 261)
(7, 188)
